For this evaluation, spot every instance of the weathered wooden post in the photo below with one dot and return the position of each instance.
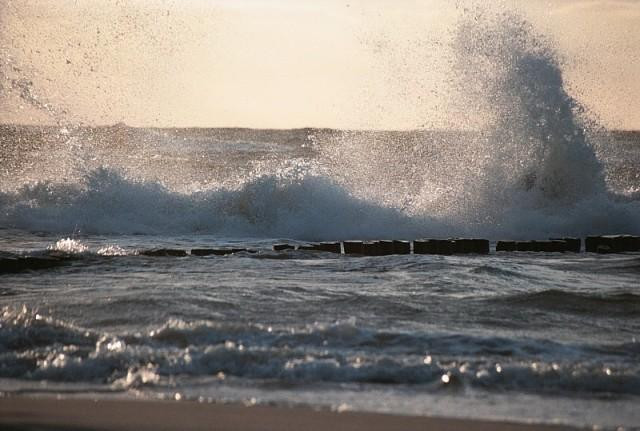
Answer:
(371, 248)
(573, 245)
(506, 246)
(612, 244)
(425, 246)
(386, 247)
(164, 252)
(353, 247)
(444, 247)
(217, 251)
(401, 247)
(480, 246)
(330, 247)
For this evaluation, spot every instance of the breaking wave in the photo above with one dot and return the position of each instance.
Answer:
(310, 208)
(34, 346)
(534, 169)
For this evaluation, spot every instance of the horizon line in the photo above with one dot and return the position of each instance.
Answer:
(354, 129)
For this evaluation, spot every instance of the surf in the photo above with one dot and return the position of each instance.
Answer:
(527, 161)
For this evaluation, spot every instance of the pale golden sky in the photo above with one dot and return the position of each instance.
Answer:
(285, 63)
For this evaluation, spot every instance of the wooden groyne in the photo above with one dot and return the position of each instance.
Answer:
(563, 245)
(604, 244)
(612, 244)
(217, 251)
(164, 252)
(449, 247)
(458, 246)
(445, 247)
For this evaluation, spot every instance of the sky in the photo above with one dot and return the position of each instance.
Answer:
(287, 63)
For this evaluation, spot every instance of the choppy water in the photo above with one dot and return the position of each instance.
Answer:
(522, 336)
(544, 337)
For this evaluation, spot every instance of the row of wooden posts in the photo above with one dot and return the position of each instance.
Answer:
(389, 247)
(592, 244)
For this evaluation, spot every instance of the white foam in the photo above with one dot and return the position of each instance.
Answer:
(112, 250)
(312, 208)
(69, 245)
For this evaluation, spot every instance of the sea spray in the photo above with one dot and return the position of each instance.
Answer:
(533, 168)
(538, 143)
(530, 171)
(309, 207)
(536, 132)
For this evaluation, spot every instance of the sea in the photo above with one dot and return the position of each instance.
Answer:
(518, 336)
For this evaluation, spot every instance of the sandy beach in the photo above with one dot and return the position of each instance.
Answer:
(22, 413)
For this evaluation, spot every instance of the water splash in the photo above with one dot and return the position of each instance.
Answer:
(536, 132)
(112, 250)
(528, 161)
(530, 171)
(283, 205)
(69, 245)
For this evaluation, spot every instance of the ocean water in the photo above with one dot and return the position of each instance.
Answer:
(543, 337)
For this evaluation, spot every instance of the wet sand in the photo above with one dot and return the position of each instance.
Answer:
(48, 414)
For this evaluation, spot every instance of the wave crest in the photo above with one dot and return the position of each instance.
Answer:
(311, 207)
(36, 347)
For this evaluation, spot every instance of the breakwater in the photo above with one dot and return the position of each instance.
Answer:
(453, 246)
(51, 258)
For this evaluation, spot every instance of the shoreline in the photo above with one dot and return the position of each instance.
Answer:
(20, 413)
